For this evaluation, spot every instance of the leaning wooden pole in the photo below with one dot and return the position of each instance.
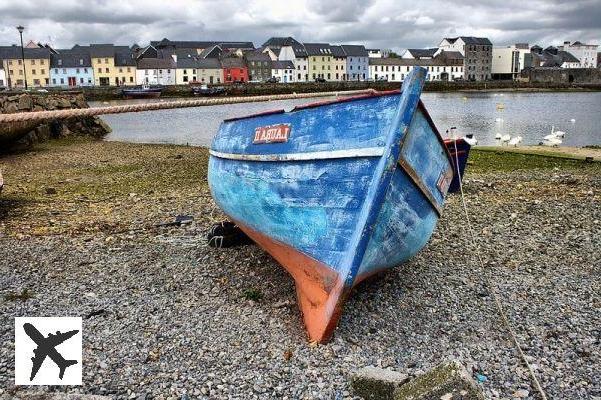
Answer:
(42, 116)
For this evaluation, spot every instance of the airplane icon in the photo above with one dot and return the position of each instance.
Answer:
(46, 347)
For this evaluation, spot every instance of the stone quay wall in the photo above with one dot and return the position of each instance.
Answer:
(24, 134)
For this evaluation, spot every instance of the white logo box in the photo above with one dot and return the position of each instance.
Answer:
(69, 351)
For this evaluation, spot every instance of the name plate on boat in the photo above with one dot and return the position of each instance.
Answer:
(443, 183)
(272, 134)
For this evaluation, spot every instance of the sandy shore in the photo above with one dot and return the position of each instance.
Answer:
(165, 316)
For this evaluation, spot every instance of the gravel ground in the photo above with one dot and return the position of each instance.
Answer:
(165, 316)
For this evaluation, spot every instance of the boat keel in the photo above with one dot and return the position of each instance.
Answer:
(320, 289)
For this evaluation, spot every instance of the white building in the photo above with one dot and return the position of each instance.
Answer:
(509, 61)
(374, 53)
(156, 71)
(446, 66)
(3, 81)
(585, 53)
(289, 49)
(283, 71)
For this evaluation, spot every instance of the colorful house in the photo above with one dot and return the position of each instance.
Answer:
(357, 62)
(36, 67)
(338, 63)
(320, 60)
(198, 70)
(71, 69)
(259, 65)
(113, 65)
(283, 71)
(289, 49)
(234, 69)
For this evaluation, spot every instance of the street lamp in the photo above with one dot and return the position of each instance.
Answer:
(21, 29)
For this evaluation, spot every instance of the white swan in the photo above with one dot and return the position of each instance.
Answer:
(557, 133)
(515, 141)
(553, 142)
(572, 120)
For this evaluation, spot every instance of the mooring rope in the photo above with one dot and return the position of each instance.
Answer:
(129, 108)
(490, 287)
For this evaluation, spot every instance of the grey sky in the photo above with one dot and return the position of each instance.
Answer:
(376, 23)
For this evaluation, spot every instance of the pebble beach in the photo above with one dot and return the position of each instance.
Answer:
(86, 229)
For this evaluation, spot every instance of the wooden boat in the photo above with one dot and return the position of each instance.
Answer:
(335, 191)
(459, 150)
(143, 92)
(205, 90)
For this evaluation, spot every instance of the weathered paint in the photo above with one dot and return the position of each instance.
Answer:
(330, 221)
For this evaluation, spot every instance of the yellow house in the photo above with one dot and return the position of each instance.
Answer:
(36, 67)
(320, 59)
(112, 65)
(338, 63)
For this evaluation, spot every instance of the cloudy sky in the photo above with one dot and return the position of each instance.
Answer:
(394, 24)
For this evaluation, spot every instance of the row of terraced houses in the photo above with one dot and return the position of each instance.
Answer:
(279, 59)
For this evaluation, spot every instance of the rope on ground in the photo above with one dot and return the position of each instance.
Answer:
(128, 108)
(490, 287)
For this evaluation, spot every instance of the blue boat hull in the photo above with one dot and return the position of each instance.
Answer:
(335, 191)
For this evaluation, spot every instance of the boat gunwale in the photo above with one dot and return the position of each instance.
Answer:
(373, 94)
(360, 152)
(316, 104)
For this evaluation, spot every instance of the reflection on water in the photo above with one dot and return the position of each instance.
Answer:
(530, 115)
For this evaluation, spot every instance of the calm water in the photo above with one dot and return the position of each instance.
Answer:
(529, 115)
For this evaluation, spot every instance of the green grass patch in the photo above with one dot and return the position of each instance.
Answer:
(252, 294)
(490, 161)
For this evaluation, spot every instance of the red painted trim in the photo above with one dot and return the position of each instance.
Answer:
(319, 288)
(260, 114)
(346, 99)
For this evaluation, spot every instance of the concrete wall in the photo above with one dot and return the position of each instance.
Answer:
(563, 75)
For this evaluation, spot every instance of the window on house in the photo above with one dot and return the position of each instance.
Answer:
(99, 70)
(33, 71)
(131, 79)
(32, 62)
(62, 81)
(64, 70)
(19, 62)
(107, 70)
(54, 81)
(106, 60)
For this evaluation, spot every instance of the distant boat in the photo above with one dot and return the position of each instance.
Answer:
(335, 191)
(144, 91)
(205, 90)
(459, 149)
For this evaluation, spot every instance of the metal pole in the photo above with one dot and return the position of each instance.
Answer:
(21, 29)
